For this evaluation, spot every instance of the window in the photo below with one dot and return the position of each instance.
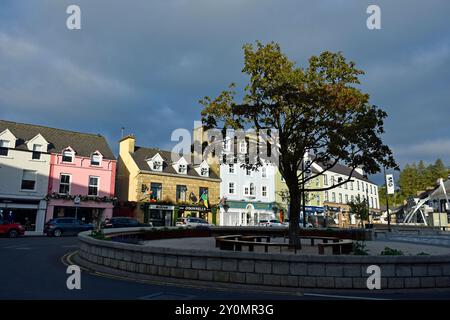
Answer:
(181, 193)
(248, 171)
(282, 179)
(333, 197)
(332, 180)
(67, 156)
(346, 198)
(325, 180)
(317, 181)
(264, 172)
(252, 189)
(370, 189)
(4, 147)
(264, 191)
(156, 191)
(157, 165)
(231, 168)
(326, 195)
(96, 159)
(204, 172)
(352, 198)
(144, 188)
(28, 180)
(182, 168)
(357, 184)
(351, 185)
(340, 197)
(37, 149)
(202, 190)
(64, 184)
(93, 186)
(318, 198)
(226, 144)
(246, 191)
(231, 189)
(243, 147)
(345, 186)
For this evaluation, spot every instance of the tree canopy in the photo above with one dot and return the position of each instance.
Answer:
(317, 109)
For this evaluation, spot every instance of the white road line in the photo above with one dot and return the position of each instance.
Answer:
(341, 297)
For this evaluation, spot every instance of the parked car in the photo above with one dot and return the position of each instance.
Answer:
(300, 223)
(192, 222)
(124, 222)
(275, 223)
(11, 229)
(263, 223)
(66, 226)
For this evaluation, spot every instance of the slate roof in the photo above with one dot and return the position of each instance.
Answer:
(84, 144)
(344, 170)
(141, 154)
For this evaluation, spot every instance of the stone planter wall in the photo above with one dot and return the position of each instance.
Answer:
(342, 272)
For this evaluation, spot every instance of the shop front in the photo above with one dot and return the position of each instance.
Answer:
(28, 212)
(84, 210)
(196, 211)
(159, 215)
(243, 213)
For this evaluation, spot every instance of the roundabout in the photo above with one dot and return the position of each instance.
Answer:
(196, 258)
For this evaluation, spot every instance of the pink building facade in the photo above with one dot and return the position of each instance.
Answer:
(81, 186)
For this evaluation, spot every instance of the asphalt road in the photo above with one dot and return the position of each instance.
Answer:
(31, 268)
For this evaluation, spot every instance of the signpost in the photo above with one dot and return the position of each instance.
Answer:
(390, 189)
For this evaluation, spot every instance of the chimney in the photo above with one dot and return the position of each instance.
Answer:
(127, 144)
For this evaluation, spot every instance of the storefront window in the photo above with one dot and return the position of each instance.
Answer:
(93, 186)
(156, 189)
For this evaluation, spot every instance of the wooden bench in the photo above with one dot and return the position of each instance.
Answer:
(324, 239)
(341, 247)
(236, 245)
(256, 238)
(227, 237)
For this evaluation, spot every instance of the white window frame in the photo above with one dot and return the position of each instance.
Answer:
(184, 171)
(231, 168)
(98, 186)
(100, 159)
(204, 172)
(5, 144)
(325, 180)
(231, 188)
(70, 182)
(250, 189)
(243, 147)
(264, 172)
(264, 192)
(72, 155)
(35, 180)
(326, 196)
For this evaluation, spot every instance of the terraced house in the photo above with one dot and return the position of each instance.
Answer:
(156, 189)
(47, 172)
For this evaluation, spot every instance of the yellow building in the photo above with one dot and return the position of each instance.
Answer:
(161, 186)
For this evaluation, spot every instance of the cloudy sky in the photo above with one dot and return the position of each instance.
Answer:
(144, 64)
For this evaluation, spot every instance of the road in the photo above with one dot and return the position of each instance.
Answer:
(32, 268)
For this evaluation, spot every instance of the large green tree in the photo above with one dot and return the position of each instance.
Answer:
(318, 109)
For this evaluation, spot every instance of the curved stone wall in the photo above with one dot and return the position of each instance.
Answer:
(326, 272)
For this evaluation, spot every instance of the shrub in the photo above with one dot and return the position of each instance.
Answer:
(359, 249)
(391, 252)
(99, 235)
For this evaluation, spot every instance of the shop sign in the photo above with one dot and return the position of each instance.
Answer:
(193, 208)
(161, 207)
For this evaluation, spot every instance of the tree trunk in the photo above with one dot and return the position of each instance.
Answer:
(294, 219)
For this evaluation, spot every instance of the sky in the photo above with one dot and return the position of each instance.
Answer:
(144, 64)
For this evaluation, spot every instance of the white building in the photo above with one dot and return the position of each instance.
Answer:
(249, 195)
(24, 175)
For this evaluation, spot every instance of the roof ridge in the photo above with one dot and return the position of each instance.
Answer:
(47, 127)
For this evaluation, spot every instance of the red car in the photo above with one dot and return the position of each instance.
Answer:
(11, 230)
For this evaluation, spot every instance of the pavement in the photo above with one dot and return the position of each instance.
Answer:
(373, 247)
(33, 268)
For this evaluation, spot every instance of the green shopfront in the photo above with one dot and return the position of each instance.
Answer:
(246, 213)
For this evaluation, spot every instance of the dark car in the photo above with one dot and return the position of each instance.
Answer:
(11, 229)
(66, 226)
(123, 222)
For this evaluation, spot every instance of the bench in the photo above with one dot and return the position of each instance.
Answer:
(324, 239)
(227, 237)
(236, 245)
(341, 247)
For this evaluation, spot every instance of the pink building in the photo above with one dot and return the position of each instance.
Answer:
(82, 178)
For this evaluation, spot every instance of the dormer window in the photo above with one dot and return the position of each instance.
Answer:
(68, 156)
(37, 150)
(157, 165)
(204, 172)
(182, 168)
(96, 159)
(4, 147)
